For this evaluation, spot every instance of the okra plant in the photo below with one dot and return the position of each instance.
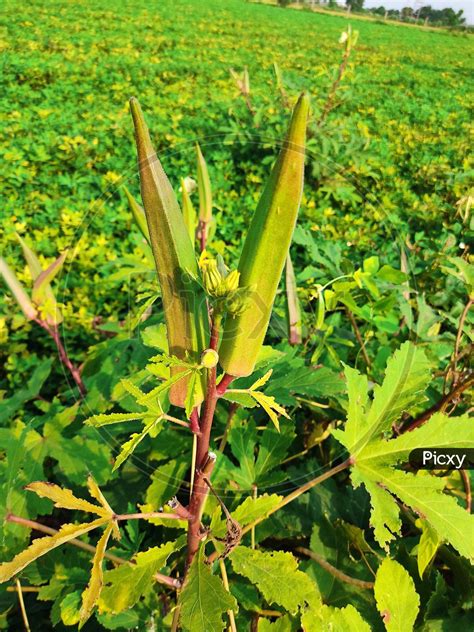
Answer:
(216, 573)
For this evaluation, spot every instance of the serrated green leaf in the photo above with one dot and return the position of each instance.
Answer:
(248, 511)
(125, 585)
(282, 624)
(322, 618)
(396, 597)
(270, 406)
(406, 378)
(427, 546)
(203, 599)
(127, 448)
(276, 575)
(375, 467)
(105, 419)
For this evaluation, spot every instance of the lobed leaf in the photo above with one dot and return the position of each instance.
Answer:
(126, 584)
(129, 446)
(277, 577)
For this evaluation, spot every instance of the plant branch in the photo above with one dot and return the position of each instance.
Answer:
(22, 606)
(329, 105)
(175, 420)
(441, 405)
(335, 572)
(467, 487)
(224, 384)
(232, 410)
(358, 335)
(457, 344)
(148, 516)
(300, 490)
(63, 356)
(204, 462)
(225, 581)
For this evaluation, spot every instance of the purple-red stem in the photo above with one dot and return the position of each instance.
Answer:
(224, 384)
(202, 454)
(63, 356)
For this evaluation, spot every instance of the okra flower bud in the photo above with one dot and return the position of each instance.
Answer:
(209, 359)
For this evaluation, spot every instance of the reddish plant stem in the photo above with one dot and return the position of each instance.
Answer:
(200, 489)
(194, 421)
(199, 494)
(439, 406)
(202, 231)
(63, 356)
(467, 487)
(332, 93)
(358, 335)
(224, 384)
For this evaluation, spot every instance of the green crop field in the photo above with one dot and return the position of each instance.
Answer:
(380, 254)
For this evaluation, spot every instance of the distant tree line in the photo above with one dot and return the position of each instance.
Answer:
(436, 17)
(442, 17)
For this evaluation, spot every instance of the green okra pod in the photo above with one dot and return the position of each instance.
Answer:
(184, 301)
(266, 248)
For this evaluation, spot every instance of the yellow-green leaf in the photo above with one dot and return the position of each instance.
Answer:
(92, 592)
(138, 213)
(17, 290)
(204, 188)
(42, 282)
(64, 497)
(41, 546)
(189, 212)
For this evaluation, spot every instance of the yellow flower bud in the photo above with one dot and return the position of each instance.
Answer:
(209, 358)
(211, 277)
(232, 281)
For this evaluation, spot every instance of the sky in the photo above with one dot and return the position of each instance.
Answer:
(467, 5)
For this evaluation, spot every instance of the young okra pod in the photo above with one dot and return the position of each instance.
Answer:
(184, 302)
(266, 248)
